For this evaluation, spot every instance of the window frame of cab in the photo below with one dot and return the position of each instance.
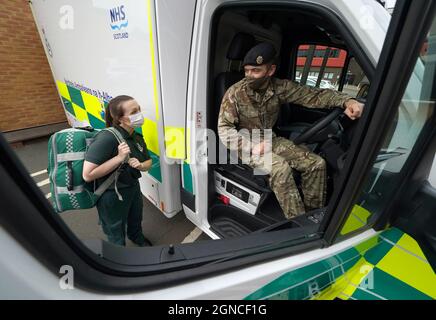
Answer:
(382, 105)
(42, 232)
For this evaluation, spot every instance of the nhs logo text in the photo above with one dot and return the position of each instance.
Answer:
(119, 21)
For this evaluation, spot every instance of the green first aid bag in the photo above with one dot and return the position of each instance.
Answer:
(66, 154)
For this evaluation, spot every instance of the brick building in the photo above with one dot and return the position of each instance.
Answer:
(29, 102)
(334, 66)
(333, 69)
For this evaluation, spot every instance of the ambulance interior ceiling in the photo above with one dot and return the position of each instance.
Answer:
(274, 26)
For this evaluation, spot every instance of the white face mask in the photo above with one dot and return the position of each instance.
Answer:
(136, 120)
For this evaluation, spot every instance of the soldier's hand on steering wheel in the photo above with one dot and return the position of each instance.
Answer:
(353, 109)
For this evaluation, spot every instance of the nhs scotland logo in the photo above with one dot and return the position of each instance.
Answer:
(119, 21)
(118, 18)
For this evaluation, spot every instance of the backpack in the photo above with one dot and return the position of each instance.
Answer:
(66, 154)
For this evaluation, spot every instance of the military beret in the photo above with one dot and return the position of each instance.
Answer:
(260, 54)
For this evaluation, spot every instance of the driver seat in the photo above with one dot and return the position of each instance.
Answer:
(241, 43)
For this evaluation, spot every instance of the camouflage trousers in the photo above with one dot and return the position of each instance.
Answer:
(284, 157)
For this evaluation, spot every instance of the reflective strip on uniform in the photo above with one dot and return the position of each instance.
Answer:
(72, 156)
(77, 189)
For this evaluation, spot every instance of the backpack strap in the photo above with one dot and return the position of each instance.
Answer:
(116, 134)
(114, 176)
(106, 184)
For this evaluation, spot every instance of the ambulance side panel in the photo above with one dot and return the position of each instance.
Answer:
(174, 21)
(98, 50)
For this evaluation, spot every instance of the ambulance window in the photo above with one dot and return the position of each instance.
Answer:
(414, 112)
(319, 66)
(356, 83)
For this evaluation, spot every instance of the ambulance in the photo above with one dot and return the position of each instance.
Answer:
(375, 239)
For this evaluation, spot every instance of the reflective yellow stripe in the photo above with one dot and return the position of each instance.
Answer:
(356, 275)
(405, 257)
(80, 113)
(347, 284)
(92, 104)
(149, 132)
(175, 142)
(153, 61)
(356, 220)
(332, 291)
(63, 90)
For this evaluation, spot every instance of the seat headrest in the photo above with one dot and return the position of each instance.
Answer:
(241, 43)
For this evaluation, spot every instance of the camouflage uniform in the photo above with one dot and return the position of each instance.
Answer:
(244, 108)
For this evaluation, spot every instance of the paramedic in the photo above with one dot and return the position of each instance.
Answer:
(121, 205)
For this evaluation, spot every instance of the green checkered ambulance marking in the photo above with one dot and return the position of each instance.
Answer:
(306, 281)
(93, 105)
(387, 286)
(366, 245)
(68, 105)
(76, 97)
(95, 122)
(187, 181)
(348, 282)
(388, 266)
(375, 256)
(80, 113)
(155, 169)
(85, 107)
(187, 178)
(393, 234)
(406, 262)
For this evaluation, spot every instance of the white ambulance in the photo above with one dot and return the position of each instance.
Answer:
(177, 58)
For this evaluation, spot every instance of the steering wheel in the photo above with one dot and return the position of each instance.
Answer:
(318, 126)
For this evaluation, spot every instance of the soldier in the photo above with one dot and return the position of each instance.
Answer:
(253, 103)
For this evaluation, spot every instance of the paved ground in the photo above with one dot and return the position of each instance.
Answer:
(84, 223)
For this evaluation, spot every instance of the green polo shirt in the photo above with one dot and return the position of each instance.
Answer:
(105, 147)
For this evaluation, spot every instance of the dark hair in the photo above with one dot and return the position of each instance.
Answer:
(114, 110)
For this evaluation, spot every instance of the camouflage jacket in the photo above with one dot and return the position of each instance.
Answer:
(244, 108)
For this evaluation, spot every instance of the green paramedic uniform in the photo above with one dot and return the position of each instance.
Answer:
(115, 214)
